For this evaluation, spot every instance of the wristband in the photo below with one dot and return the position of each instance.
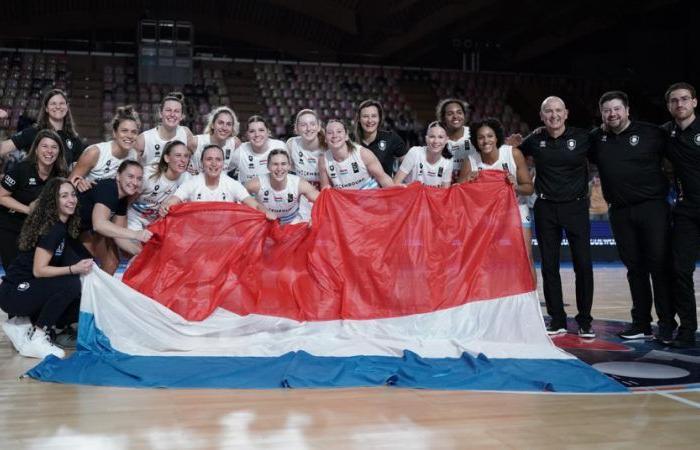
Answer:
(70, 270)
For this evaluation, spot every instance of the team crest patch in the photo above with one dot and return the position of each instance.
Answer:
(571, 144)
(604, 138)
(382, 145)
(634, 140)
(696, 139)
(543, 144)
(69, 144)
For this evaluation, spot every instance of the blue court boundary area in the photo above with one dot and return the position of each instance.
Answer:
(96, 363)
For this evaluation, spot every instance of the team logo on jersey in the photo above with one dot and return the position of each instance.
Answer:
(543, 144)
(634, 140)
(250, 157)
(157, 186)
(355, 167)
(31, 181)
(571, 144)
(604, 138)
(696, 139)
(228, 153)
(266, 193)
(382, 145)
(440, 171)
(290, 197)
(23, 286)
(69, 144)
(199, 196)
(8, 180)
(59, 249)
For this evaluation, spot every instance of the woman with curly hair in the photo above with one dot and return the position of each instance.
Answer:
(23, 184)
(42, 287)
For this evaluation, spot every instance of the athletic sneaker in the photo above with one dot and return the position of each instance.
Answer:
(38, 345)
(16, 330)
(586, 332)
(636, 332)
(554, 330)
(68, 338)
(663, 338)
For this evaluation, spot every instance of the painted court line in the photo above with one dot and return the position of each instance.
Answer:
(680, 399)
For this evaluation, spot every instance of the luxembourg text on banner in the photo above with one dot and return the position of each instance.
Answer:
(417, 287)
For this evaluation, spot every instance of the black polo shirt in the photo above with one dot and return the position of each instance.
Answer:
(25, 185)
(72, 145)
(561, 163)
(387, 146)
(104, 192)
(630, 163)
(683, 150)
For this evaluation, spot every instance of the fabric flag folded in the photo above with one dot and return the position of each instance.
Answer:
(416, 287)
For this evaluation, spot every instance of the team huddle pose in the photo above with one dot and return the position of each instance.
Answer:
(52, 227)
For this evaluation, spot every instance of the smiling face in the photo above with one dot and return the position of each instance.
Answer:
(369, 119)
(486, 140)
(454, 116)
(126, 133)
(67, 201)
(223, 126)
(435, 139)
(213, 162)
(47, 152)
(57, 107)
(130, 180)
(171, 113)
(681, 104)
(336, 135)
(307, 127)
(554, 114)
(278, 165)
(257, 135)
(615, 115)
(178, 158)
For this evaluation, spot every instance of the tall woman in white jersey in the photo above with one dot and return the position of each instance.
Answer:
(280, 192)
(347, 165)
(150, 143)
(101, 161)
(222, 129)
(305, 148)
(431, 164)
(488, 139)
(453, 113)
(160, 181)
(250, 158)
(212, 186)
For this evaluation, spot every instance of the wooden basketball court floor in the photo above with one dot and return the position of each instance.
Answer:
(37, 415)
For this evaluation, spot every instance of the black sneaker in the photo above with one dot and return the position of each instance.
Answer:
(586, 332)
(636, 332)
(554, 330)
(682, 343)
(67, 338)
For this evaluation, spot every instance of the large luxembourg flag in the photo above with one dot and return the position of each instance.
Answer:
(417, 287)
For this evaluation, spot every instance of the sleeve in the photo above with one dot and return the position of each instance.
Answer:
(184, 192)
(398, 146)
(527, 145)
(23, 139)
(106, 194)
(78, 149)
(122, 207)
(237, 190)
(409, 161)
(51, 240)
(13, 179)
(235, 159)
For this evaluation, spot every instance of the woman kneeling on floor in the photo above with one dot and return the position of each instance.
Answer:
(41, 290)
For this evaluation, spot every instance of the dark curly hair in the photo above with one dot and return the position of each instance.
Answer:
(44, 215)
(492, 123)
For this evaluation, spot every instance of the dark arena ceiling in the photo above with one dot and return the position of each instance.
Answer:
(615, 37)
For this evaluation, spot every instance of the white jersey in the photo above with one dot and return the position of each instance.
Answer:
(351, 173)
(251, 164)
(205, 139)
(284, 203)
(154, 144)
(416, 165)
(144, 210)
(196, 190)
(305, 161)
(505, 162)
(460, 149)
(107, 164)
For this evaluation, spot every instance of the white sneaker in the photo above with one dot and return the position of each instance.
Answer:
(38, 345)
(16, 330)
